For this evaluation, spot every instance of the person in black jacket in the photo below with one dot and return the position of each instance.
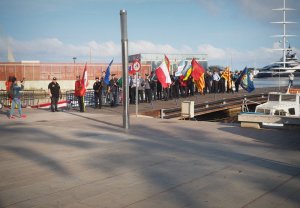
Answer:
(114, 90)
(97, 87)
(54, 93)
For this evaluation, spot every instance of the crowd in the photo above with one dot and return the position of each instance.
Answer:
(149, 88)
(144, 89)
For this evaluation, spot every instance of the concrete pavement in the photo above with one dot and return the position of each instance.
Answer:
(72, 159)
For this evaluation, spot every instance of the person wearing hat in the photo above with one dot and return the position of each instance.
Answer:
(54, 93)
(113, 89)
(98, 92)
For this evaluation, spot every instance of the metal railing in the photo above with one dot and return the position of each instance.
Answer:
(89, 98)
(28, 97)
(207, 107)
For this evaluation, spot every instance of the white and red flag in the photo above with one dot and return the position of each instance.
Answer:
(162, 73)
(84, 79)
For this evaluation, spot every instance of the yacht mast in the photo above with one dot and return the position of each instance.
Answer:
(284, 35)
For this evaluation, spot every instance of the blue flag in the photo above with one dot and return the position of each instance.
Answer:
(246, 80)
(107, 73)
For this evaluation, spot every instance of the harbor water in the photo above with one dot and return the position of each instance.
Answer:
(274, 82)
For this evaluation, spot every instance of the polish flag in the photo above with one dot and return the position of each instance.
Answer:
(162, 73)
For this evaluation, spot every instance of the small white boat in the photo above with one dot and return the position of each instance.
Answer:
(280, 109)
(280, 104)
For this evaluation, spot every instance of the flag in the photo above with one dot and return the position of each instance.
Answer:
(84, 80)
(107, 73)
(187, 73)
(163, 74)
(180, 68)
(130, 69)
(185, 69)
(246, 80)
(198, 70)
(167, 63)
(120, 81)
(198, 75)
(200, 83)
(227, 75)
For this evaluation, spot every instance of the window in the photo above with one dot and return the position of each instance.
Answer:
(274, 97)
(292, 111)
(288, 98)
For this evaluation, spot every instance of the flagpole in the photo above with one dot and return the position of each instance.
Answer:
(124, 41)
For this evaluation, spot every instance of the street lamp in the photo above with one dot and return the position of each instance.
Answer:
(74, 59)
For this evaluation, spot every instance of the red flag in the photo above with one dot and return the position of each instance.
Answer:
(198, 75)
(198, 70)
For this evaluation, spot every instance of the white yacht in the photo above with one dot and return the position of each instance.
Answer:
(292, 65)
(289, 62)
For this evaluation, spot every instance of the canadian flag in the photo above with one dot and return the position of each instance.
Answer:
(162, 73)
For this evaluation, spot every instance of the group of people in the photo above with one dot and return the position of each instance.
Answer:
(148, 88)
(145, 89)
(100, 88)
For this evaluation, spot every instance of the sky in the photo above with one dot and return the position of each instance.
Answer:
(234, 33)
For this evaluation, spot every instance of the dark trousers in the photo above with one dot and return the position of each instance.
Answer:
(98, 99)
(166, 94)
(148, 94)
(141, 96)
(237, 86)
(215, 86)
(114, 100)
(133, 96)
(153, 91)
(54, 101)
(81, 103)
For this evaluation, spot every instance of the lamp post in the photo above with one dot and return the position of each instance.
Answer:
(74, 59)
(124, 43)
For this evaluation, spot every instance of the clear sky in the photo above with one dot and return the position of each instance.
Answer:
(236, 32)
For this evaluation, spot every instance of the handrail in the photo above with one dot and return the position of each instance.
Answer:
(208, 106)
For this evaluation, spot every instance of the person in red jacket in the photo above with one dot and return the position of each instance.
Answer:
(79, 93)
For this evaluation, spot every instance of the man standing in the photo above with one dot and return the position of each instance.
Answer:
(113, 88)
(215, 84)
(79, 93)
(16, 98)
(98, 92)
(141, 89)
(148, 93)
(291, 79)
(54, 93)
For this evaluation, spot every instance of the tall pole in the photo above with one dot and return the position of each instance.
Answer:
(124, 42)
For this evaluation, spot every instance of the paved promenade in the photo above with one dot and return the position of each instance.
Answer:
(71, 159)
